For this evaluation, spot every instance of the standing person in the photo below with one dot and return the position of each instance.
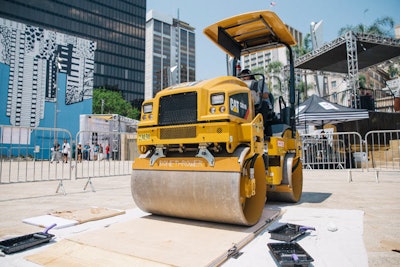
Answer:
(65, 150)
(86, 151)
(95, 151)
(79, 152)
(108, 152)
(54, 152)
(100, 157)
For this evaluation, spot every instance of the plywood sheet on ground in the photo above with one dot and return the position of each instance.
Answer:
(48, 220)
(161, 240)
(71, 253)
(89, 214)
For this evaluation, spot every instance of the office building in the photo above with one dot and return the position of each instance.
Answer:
(118, 28)
(45, 76)
(259, 61)
(170, 52)
(263, 58)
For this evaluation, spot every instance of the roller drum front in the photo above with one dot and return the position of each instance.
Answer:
(206, 195)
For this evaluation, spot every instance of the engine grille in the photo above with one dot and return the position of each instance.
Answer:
(178, 109)
(178, 132)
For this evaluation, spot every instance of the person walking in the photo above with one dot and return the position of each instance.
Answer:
(65, 150)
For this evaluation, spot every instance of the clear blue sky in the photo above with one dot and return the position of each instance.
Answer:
(210, 61)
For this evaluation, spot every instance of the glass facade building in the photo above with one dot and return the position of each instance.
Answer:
(170, 52)
(117, 26)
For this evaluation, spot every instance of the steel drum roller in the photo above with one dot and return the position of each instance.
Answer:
(202, 195)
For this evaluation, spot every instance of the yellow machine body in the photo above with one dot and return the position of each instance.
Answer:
(204, 155)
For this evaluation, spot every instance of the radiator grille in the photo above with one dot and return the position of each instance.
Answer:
(178, 109)
(178, 132)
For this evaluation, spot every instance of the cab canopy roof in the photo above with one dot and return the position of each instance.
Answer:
(249, 32)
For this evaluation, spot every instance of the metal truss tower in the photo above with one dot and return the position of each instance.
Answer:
(352, 67)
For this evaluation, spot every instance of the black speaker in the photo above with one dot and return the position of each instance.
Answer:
(367, 102)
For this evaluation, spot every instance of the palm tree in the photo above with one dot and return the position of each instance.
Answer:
(381, 26)
(298, 51)
(273, 70)
(303, 48)
(393, 71)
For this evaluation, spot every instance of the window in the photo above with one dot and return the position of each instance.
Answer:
(157, 26)
(166, 29)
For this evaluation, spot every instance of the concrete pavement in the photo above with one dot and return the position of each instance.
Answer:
(322, 189)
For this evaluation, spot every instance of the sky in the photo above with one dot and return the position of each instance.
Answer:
(210, 60)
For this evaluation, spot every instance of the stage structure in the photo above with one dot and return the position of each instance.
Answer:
(348, 54)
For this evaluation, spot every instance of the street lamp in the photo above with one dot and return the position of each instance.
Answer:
(57, 62)
(171, 71)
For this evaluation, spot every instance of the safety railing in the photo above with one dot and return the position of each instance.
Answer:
(378, 151)
(383, 151)
(30, 155)
(323, 154)
(26, 153)
(331, 150)
(103, 154)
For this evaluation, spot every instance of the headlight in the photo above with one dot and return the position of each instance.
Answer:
(217, 99)
(148, 108)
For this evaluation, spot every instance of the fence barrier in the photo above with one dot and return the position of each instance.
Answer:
(27, 154)
(378, 151)
(104, 154)
(382, 150)
(332, 150)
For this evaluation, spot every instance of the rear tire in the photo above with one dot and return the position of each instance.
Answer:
(293, 179)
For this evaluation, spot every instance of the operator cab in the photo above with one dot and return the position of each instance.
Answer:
(253, 32)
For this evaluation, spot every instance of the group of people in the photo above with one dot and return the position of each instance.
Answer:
(56, 153)
(62, 153)
(86, 152)
(263, 100)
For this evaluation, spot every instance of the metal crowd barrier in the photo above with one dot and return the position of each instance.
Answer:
(383, 150)
(378, 151)
(27, 155)
(94, 161)
(323, 154)
(331, 151)
(26, 152)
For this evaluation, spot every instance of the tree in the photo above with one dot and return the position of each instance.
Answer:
(393, 71)
(111, 102)
(381, 26)
(362, 81)
(303, 48)
(258, 70)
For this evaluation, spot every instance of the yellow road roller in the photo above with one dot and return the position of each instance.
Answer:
(203, 151)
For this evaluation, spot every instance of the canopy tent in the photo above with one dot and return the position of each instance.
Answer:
(318, 111)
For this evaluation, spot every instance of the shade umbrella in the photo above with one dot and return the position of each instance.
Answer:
(318, 111)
